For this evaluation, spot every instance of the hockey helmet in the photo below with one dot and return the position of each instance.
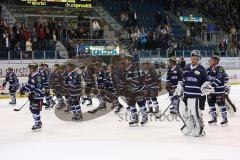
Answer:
(146, 62)
(10, 69)
(172, 60)
(71, 64)
(196, 53)
(33, 65)
(41, 64)
(216, 57)
(128, 56)
(57, 65)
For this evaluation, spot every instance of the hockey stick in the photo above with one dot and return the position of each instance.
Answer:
(158, 117)
(20, 107)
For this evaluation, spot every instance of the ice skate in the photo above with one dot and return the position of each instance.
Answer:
(224, 122)
(134, 121)
(213, 122)
(37, 127)
(118, 108)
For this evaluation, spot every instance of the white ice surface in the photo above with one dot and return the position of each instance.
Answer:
(109, 137)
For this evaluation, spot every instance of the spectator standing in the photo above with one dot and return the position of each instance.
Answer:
(54, 40)
(6, 43)
(143, 40)
(34, 38)
(96, 28)
(41, 39)
(28, 49)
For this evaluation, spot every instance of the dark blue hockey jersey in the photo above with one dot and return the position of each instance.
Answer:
(73, 82)
(193, 78)
(45, 78)
(152, 81)
(34, 85)
(134, 80)
(217, 76)
(174, 75)
(108, 82)
(12, 79)
(101, 78)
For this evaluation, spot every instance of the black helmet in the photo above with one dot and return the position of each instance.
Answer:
(10, 68)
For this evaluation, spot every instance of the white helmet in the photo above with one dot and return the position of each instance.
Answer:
(196, 53)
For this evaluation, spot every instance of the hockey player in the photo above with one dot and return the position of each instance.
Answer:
(74, 90)
(174, 75)
(34, 88)
(90, 84)
(152, 85)
(100, 70)
(193, 87)
(110, 91)
(107, 93)
(118, 78)
(217, 77)
(55, 83)
(134, 82)
(12, 79)
(45, 73)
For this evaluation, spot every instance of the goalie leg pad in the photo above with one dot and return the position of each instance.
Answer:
(195, 113)
(183, 114)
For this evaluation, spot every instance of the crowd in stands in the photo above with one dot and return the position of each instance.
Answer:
(20, 38)
(157, 37)
(86, 29)
(42, 36)
(225, 12)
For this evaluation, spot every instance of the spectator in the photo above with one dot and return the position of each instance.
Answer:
(17, 51)
(143, 40)
(54, 40)
(7, 43)
(28, 49)
(124, 18)
(34, 38)
(95, 25)
(41, 39)
(221, 48)
(158, 18)
(134, 19)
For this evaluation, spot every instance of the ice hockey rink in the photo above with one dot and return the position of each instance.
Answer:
(108, 137)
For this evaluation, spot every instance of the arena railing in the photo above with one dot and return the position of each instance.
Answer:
(180, 53)
(35, 55)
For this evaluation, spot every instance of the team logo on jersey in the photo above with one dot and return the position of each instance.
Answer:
(197, 72)
(38, 78)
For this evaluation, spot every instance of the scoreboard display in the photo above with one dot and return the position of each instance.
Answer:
(60, 3)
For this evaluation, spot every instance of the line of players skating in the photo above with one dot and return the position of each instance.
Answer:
(74, 85)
